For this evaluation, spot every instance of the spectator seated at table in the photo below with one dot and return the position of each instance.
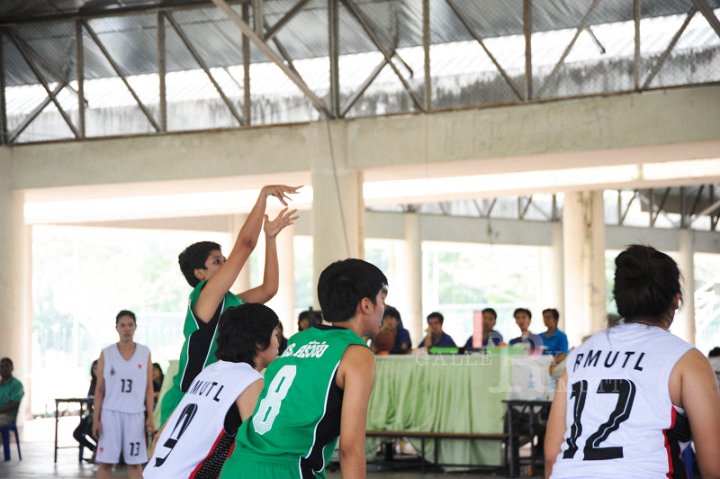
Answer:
(392, 338)
(554, 340)
(490, 336)
(83, 432)
(436, 337)
(527, 339)
(11, 392)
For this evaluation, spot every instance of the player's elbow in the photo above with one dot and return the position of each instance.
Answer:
(351, 451)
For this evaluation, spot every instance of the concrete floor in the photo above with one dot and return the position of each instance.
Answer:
(37, 450)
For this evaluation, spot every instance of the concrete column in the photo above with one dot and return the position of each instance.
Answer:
(552, 264)
(338, 223)
(412, 277)
(242, 283)
(15, 280)
(584, 264)
(684, 323)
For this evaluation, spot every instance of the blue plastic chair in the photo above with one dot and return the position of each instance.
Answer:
(5, 431)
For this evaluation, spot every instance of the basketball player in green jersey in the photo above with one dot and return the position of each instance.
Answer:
(319, 388)
(211, 275)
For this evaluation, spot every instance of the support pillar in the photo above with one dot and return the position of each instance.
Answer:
(584, 264)
(412, 278)
(684, 323)
(338, 223)
(15, 281)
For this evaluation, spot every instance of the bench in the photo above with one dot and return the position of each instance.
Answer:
(435, 436)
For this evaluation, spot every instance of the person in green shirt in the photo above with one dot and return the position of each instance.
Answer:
(319, 389)
(11, 392)
(211, 275)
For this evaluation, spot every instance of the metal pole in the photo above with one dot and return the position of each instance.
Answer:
(333, 37)
(162, 68)
(119, 73)
(527, 30)
(427, 91)
(270, 32)
(671, 45)
(267, 51)
(636, 66)
(247, 111)
(41, 78)
(3, 113)
(80, 74)
(258, 17)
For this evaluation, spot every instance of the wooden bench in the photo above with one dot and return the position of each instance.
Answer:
(435, 436)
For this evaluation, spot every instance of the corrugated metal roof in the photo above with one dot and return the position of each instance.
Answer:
(132, 38)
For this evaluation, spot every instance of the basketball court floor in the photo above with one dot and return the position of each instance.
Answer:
(37, 449)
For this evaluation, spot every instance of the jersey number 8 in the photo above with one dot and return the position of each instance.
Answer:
(269, 407)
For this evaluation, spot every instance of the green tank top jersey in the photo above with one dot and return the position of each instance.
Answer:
(198, 349)
(297, 419)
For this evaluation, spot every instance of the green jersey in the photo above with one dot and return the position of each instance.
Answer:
(297, 419)
(198, 349)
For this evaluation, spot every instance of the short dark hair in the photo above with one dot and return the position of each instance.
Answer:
(714, 352)
(343, 284)
(392, 312)
(193, 257)
(125, 312)
(491, 311)
(646, 281)
(243, 330)
(553, 312)
(313, 316)
(436, 314)
(7, 360)
(522, 310)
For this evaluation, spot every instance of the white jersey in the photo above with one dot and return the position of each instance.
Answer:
(125, 379)
(620, 420)
(195, 441)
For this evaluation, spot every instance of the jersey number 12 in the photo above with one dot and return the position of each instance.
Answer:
(625, 389)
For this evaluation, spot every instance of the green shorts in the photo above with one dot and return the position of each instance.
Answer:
(244, 465)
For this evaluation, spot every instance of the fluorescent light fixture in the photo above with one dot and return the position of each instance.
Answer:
(673, 170)
(499, 183)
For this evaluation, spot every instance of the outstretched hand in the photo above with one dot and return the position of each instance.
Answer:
(284, 218)
(281, 192)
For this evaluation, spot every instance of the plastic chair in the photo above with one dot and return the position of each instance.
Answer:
(5, 431)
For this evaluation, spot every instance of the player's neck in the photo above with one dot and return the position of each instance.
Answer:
(127, 348)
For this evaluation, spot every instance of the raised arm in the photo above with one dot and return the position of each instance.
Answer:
(99, 396)
(222, 280)
(271, 276)
(357, 373)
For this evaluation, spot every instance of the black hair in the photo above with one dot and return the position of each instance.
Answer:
(522, 310)
(194, 257)
(646, 282)
(553, 312)
(313, 316)
(491, 311)
(392, 312)
(125, 312)
(436, 314)
(243, 330)
(7, 360)
(714, 352)
(343, 284)
(159, 368)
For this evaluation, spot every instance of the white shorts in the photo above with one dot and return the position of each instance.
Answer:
(122, 432)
